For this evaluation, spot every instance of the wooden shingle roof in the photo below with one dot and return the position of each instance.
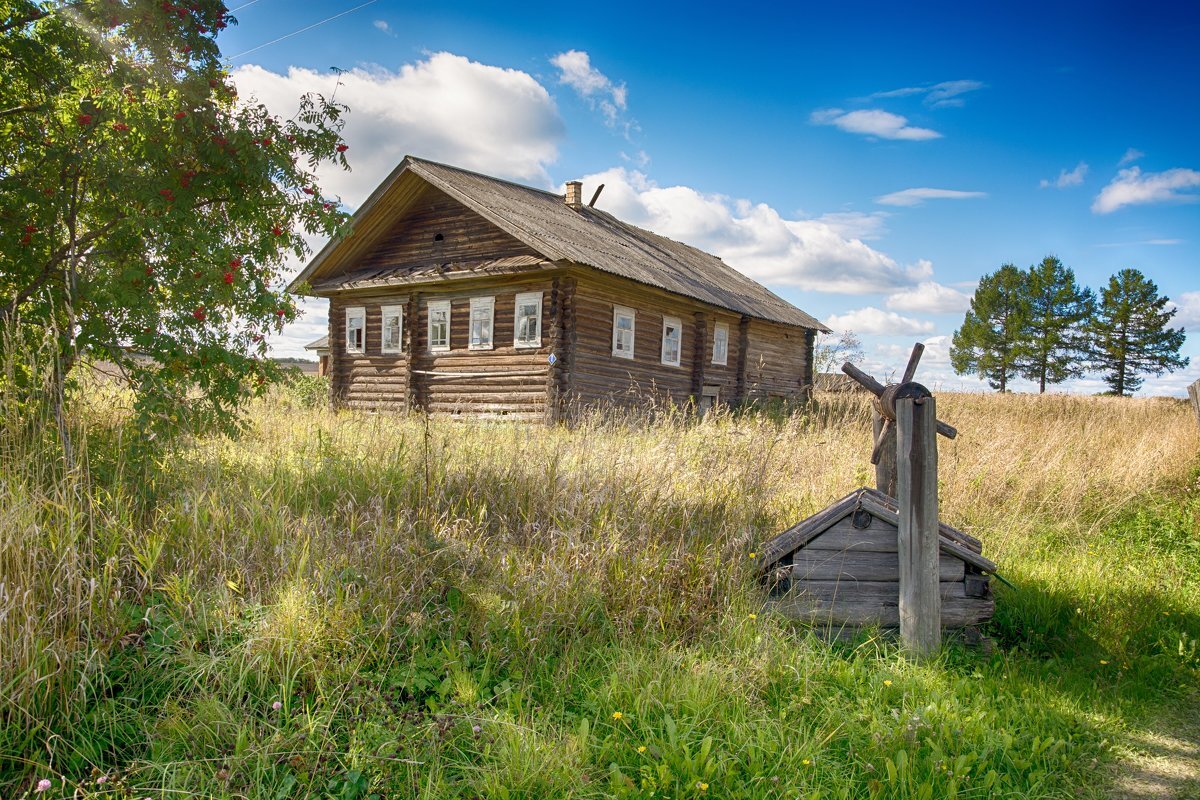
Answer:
(586, 236)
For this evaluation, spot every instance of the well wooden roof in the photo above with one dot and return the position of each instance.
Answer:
(563, 235)
(950, 540)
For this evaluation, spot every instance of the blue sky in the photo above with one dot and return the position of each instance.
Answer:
(868, 161)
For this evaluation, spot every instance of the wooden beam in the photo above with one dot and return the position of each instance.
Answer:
(739, 393)
(885, 468)
(412, 319)
(699, 348)
(917, 542)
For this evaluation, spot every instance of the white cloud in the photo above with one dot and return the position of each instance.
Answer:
(576, 70)
(448, 108)
(1152, 242)
(939, 95)
(929, 297)
(1133, 187)
(1131, 155)
(1065, 179)
(872, 122)
(856, 224)
(915, 197)
(1188, 312)
(382, 25)
(875, 321)
(753, 237)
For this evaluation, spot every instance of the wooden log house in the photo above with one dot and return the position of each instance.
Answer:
(460, 293)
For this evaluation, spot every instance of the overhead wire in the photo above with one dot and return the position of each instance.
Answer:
(301, 30)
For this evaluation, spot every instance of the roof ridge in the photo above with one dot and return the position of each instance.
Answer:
(526, 187)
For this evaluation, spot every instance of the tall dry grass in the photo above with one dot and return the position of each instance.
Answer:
(316, 529)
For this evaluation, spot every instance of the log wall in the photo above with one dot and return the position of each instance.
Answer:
(466, 236)
(763, 359)
(775, 358)
(505, 380)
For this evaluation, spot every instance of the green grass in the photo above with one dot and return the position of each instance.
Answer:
(447, 610)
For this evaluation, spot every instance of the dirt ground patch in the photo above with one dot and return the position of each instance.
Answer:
(1162, 761)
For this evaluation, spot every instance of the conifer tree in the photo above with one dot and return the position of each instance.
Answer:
(1053, 344)
(1131, 335)
(988, 341)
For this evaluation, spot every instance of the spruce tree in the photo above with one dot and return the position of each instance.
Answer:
(988, 341)
(1130, 333)
(1053, 345)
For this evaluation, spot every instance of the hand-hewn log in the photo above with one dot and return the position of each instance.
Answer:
(411, 340)
(699, 351)
(885, 467)
(917, 542)
(739, 394)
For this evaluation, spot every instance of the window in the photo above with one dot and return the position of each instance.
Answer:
(356, 329)
(483, 313)
(721, 344)
(527, 331)
(623, 332)
(439, 325)
(672, 334)
(393, 329)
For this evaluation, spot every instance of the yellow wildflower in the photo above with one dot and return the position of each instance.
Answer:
(702, 786)
(806, 762)
(1102, 661)
(753, 616)
(887, 683)
(617, 715)
(753, 554)
(641, 748)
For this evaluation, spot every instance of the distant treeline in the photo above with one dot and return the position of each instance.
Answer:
(1040, 324)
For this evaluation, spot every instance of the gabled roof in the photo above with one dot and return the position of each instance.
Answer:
(564, 235)
(318, 344)
(950, 540)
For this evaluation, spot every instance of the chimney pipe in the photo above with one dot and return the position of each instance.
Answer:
(575, 194)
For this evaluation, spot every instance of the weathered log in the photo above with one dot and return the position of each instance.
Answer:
(920, 604)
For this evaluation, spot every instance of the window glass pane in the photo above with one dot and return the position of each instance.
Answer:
(481, 323)
(439, 328)
(720, 345)
(391, 331)
(527, 322)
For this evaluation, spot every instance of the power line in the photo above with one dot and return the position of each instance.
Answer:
(302, 30)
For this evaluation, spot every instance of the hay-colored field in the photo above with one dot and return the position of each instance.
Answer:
(443, 609)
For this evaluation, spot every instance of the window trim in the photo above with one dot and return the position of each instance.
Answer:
(490, 304)
(431, 307)
(352, 312)
(384, 313)
(517, 302)
(721, 326)
(624, 311)
(679, 349)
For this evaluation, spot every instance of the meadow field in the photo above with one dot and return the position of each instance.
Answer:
(340, 605)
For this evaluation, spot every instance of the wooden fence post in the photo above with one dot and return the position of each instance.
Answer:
(916, 461)
(885, 470)
(1194, 396)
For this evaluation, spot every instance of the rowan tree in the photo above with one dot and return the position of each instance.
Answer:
(987, 343)
(1052, 343)
(146, 212)
(1131, 333)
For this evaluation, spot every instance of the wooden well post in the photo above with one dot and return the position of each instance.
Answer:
(1194, 396)
(905, 459)
(917, 478)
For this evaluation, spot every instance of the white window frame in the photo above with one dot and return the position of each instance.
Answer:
(433, 307)
(488, 304)
(359, 313)
(719, 328)
(521, 299)
(618, 312)
(678, 325)
(384, 313)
